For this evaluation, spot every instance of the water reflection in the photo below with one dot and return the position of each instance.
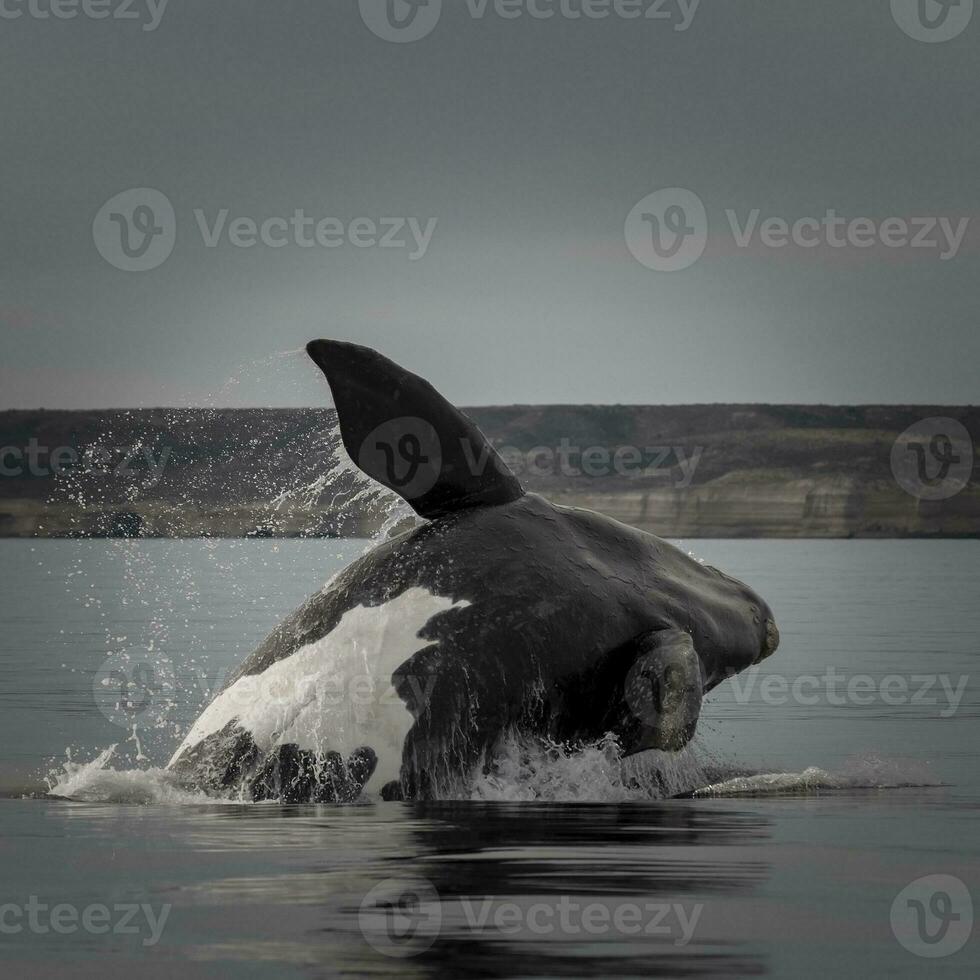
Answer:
(582, 890)
(737, 887)
(281, 889)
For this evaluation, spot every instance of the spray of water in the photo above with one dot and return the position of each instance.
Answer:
(172, 473)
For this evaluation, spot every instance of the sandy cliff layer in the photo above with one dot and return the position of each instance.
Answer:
(689, 471)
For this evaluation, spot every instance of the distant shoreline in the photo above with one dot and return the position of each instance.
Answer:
(683, 471)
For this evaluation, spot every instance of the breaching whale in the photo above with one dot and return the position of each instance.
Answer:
(501, 613)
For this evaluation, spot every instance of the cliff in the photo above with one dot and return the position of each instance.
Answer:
(681, 471)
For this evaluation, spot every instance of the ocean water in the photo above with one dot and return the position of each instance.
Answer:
(828, 824)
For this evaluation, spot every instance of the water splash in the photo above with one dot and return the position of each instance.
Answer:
(867, 772)
(98, 782)
(285, 473)
(526, 769)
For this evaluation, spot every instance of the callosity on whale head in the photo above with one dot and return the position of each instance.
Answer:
(502, 612)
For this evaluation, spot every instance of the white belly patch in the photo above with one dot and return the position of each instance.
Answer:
(334, 694)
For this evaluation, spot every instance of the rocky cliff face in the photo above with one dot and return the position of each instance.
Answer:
(832, 507)
(681, 471)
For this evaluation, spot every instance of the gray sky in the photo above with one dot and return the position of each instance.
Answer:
(530, 141)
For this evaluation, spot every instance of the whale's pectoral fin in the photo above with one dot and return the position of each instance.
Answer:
(661, 695)
(402, 433)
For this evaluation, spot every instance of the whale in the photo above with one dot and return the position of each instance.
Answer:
(498, 613)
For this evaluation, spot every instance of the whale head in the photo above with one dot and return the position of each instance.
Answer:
(738, 626)
(707, 627)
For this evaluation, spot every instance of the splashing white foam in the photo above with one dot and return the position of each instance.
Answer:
(867, 772)
(773, 783)
(528, 769)
(98, 782)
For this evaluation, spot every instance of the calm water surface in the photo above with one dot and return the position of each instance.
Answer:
(787, 885)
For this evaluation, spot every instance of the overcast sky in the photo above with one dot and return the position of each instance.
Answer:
(528, 141)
